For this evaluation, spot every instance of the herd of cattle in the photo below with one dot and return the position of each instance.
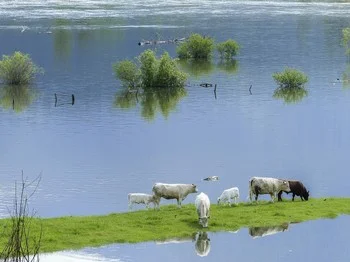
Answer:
(257, 186)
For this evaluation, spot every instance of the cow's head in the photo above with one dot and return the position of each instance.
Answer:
(306, 195)
(219, 199)
(194, 189)
(285, 186)
(203, 221)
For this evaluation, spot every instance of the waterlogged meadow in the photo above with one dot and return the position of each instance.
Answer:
(94, 141)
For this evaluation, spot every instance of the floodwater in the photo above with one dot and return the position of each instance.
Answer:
(93, 152)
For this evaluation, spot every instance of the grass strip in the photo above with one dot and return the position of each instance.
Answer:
(171, 222)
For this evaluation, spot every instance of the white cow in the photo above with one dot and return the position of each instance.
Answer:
(266, 185)
(229, 194)
(140, 198)
(173, 191)
(202, 204)
(202, 245)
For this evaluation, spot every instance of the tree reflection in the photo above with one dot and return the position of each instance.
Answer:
(229, 66)
(152, 100)
(346, 77)
(290, 95)
(62, 38)
(16, 97)
(196, 68)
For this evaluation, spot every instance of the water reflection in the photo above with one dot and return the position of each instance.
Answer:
(202, 245)
(229, 66)
(265, 231)
(62, 39)
(290, 95)
(346, 77)
(196, 68)
(177, 240)
(16, 98)
(152, 100)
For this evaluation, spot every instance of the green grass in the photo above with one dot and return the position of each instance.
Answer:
(171, 222)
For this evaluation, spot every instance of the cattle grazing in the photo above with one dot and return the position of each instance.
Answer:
(266, 185)
(265, 231)
(202, 245)
(202, 204)
(173, 191)
(229, 194)
(297, 188)
(140, 198)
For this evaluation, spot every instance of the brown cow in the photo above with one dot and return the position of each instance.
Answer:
(297, 188)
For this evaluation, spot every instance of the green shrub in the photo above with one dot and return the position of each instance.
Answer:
(290, 78)
(346, 40)
(228, 49)
(152, 72)
(18, 69)
(196, 47)
(128, 73)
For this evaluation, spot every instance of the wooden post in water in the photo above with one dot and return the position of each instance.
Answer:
(73, 99)
(215, 91)
(55, 99)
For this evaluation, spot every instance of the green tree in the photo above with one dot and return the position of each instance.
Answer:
(18, 69)
(290, 78)
(196, 47)
(346, 40)
(228, 49)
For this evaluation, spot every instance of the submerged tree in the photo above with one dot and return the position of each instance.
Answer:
(23, 244)
(228, 49)
(290, 78)
(196, 47)
(18, 69)
(150, 72)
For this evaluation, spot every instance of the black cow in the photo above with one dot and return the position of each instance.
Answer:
(297, 188)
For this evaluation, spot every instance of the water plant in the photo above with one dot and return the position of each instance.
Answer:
(228, 49)
(196, 47)
(18, 69)
(290, 78)
(150, 72)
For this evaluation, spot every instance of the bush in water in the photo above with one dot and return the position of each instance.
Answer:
(18, 69)
(152, 72)
(196, 47)
(290, 78)
(228, 49)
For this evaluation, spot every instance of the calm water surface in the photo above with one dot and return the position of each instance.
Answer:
(91, 154)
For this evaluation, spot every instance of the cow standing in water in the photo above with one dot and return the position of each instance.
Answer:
(297, 188)
(266, 185)
(173, 191)
(202, 204)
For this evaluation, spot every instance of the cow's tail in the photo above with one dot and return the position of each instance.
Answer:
(250, 190)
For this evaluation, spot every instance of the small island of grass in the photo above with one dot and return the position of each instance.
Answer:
(170, 222)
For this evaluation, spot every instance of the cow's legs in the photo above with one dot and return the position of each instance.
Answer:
(293, 196)
(273, 196)
(130, 205)
(280, 195)
(178, 202)
(256, 197)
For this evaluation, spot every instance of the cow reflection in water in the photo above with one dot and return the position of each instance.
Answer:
(265, 231)
(202, 245)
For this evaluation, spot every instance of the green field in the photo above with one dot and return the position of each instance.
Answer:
(171, 222)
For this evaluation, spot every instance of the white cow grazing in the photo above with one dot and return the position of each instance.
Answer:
(266, 185)
(229, 194)
(140, 198)
(202, 204)
(173, 191)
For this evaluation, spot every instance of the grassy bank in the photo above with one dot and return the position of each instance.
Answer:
(170, 222)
